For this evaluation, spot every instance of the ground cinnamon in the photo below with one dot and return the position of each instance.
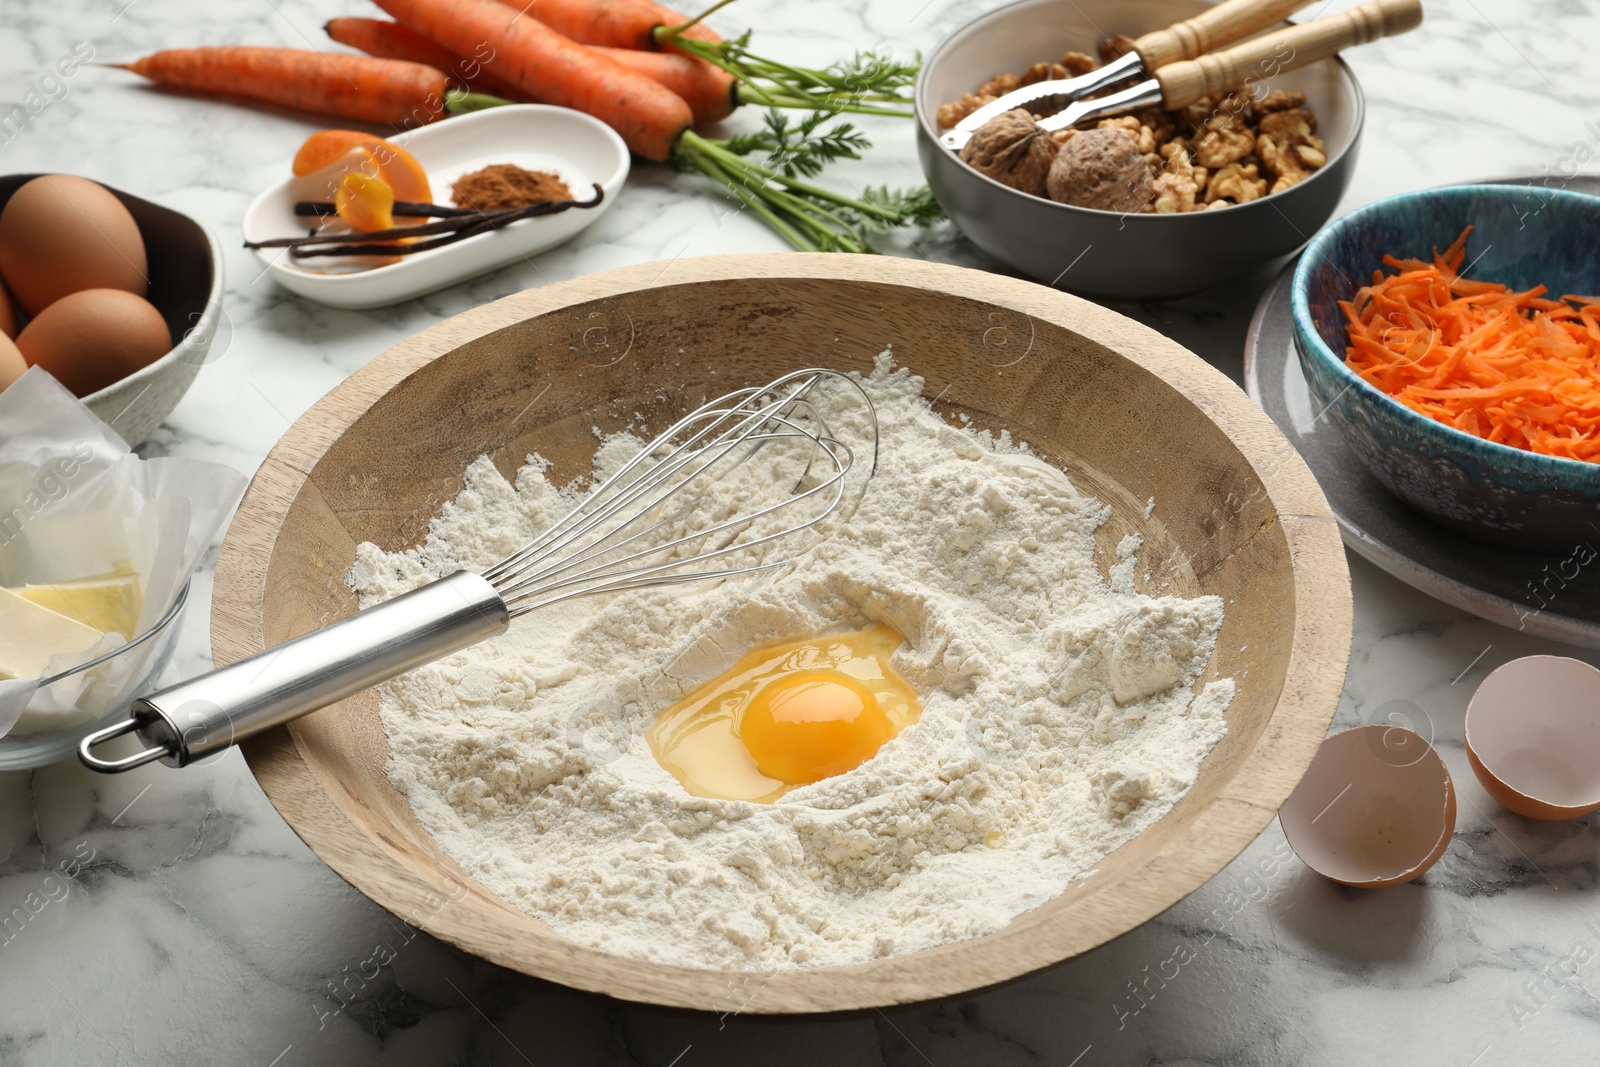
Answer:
(505, 185)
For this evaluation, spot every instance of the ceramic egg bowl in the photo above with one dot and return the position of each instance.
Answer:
(1128, 412)
(1108, 254)
(1523, 236)
(186, 283)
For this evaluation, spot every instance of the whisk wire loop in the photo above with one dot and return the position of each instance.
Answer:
(586, 517)
(608, 549)
(601, 502)
(606, 542)
(609, 577)
(602, 564)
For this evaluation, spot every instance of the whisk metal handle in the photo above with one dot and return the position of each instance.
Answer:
(184, 722)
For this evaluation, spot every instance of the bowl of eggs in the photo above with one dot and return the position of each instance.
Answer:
(117, 297)
(540, 386)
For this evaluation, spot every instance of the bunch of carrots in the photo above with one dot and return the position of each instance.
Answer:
(1506, 366)
(641, 68)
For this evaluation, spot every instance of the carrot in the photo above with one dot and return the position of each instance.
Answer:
(385, 91)
(390, 40)
(710, 92)
(553, 69)
(1512, 367)
(613, 23)
(873, 83)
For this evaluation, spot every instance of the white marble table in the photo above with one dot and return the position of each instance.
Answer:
(200, 930)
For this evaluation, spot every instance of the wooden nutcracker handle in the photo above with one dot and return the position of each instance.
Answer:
(1223, 24)
(1184, 82)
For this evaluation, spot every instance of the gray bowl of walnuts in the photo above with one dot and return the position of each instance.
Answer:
(1148, 206)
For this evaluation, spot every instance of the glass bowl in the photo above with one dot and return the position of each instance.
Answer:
(155, 646)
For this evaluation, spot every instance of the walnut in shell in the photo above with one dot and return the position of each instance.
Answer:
(1101, 169)
(1013, 150)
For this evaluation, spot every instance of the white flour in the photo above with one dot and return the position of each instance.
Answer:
(1059, 716)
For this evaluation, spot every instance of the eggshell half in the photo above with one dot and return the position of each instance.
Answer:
(1533, 736)
(1376, 808)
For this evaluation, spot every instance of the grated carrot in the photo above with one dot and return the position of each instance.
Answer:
(1511, 367)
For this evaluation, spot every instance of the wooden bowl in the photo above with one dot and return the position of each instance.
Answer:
(1130, 413)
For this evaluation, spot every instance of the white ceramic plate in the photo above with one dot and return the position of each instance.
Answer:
(582, 151)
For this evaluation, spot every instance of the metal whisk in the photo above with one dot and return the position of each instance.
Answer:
(640, 527)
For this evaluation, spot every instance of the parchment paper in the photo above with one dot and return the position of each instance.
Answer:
(75, 502)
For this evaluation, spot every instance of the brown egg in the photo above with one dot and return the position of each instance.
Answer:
(8, 315)
(60, 234)
(90, 339)
(11, 363)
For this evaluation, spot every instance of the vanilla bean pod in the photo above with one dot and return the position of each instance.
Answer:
(394, 233)
(406, 208)
(452, 230)
(482, 226)
(454, 227)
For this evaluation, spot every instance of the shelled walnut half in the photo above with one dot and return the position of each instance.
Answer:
(1289, 148)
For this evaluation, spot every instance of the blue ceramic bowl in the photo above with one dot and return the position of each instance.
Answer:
(1523, 236)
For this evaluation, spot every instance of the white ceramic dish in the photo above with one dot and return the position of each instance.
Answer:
(582, 151)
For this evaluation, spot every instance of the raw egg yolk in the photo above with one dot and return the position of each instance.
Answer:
(813, 725)
(784, 716)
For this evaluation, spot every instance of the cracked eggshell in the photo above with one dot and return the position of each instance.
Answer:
(1376, 808)
(1533, 736)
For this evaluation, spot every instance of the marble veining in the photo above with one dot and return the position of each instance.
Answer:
(173, 918)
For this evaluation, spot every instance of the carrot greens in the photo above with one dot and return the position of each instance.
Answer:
(810, 217)
(864, 84)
